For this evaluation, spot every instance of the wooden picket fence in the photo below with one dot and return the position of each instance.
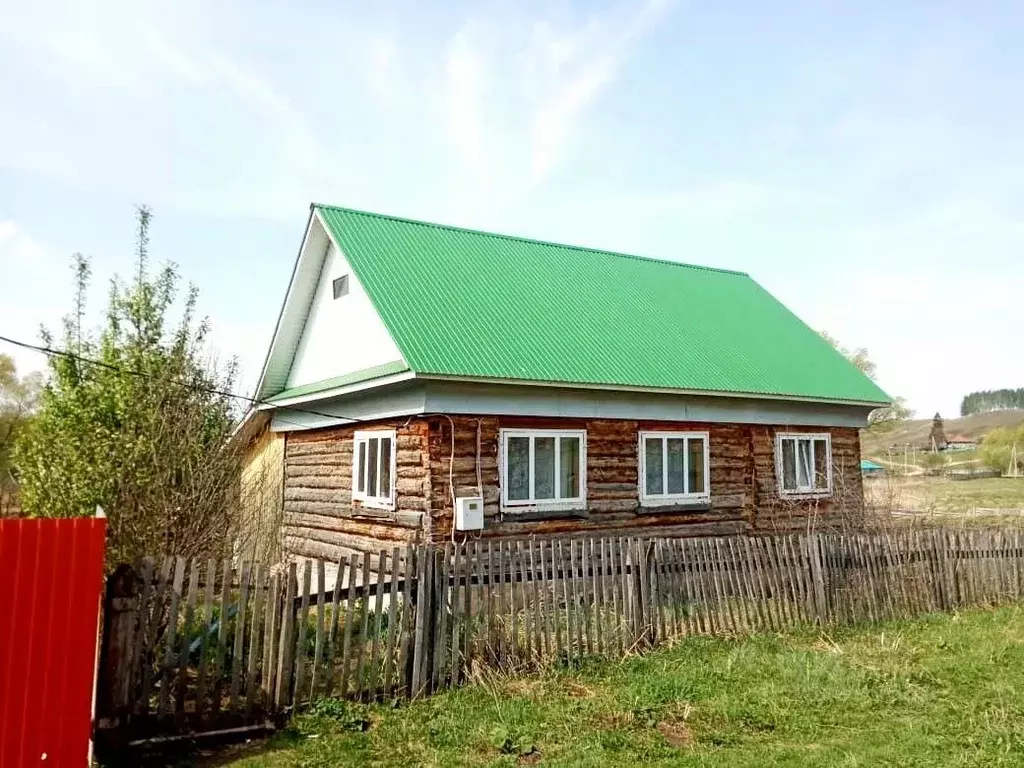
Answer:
(198, 646)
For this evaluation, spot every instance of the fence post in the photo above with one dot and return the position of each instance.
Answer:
(654, 627)
(282, 693)
(422, 598)
(639, 587)
(117, 674)
(817, 561)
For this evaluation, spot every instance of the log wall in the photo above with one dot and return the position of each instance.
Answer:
(845, 507)
(320, 519)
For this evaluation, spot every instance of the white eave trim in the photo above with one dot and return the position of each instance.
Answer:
(346, 389)
(274, 340)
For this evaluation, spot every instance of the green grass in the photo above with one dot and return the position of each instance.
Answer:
(941, 690)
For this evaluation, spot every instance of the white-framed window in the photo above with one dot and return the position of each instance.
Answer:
(803, 463)
(373, 468)
(543, 469)
(674, 467)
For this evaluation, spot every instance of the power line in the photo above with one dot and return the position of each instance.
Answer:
(49, 351)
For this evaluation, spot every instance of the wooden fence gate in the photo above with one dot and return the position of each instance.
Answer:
(206, 645)
(51, 579)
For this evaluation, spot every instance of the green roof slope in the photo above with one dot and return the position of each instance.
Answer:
(465, 303)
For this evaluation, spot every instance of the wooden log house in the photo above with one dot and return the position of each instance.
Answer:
(418, 369)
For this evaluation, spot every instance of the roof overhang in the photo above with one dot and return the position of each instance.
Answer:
(385, 381)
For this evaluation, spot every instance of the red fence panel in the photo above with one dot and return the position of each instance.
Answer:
(51, 579)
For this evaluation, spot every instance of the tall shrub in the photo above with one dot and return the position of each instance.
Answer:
(143, 431)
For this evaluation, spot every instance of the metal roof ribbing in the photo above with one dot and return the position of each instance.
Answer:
(460, 302)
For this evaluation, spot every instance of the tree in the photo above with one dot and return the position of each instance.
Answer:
(1000, 446)
(18, 398)
(937, 437)
(880, 419)
(859, 356)
(144, 430)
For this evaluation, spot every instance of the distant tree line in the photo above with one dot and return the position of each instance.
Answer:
(992, 400)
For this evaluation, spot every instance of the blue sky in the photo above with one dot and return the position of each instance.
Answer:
(861, 160)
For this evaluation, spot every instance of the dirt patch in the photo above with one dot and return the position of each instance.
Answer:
(530, 689)
(529, 758)
(578, 690)
(614, 720)
(676, 734)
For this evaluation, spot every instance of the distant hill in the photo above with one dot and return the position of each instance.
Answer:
(916, 431)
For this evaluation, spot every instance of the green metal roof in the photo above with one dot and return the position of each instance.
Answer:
(473, 304)
(356, 377)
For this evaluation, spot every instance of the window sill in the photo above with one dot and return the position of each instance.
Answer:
(526, 515)
(665, 508)
(804, 495)
(363, 508)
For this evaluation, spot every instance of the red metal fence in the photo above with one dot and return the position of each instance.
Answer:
(51, 578)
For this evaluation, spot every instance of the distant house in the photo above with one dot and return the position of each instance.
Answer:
(869, 468)
(426, 382)
(960, 443)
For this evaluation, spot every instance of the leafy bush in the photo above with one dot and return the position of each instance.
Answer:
(344, 715)
(996, 450)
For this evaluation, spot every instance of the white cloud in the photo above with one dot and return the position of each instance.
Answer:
(18, 249)
(173, 59)
(581, 63)
(382, 76)
(27, 270)
(518, 90)
(464, 66)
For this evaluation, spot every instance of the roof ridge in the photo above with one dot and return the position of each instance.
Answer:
(521, 239)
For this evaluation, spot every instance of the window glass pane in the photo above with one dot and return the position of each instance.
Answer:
(789, 465)
(695, 481)
(385, 467)
(676, 446)
(803, 463)
(518, 466)
(653, 460)
(371, 464)
(569, 467)
(361, 472)
(820, 464)
(544, 467)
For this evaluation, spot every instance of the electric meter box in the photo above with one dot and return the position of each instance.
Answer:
(469, 513)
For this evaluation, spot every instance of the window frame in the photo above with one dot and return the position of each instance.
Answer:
(376, 501)
(803, 492)
(667, 499)
(518, 506)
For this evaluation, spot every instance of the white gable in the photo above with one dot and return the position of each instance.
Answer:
(342, 335)
(319, 337)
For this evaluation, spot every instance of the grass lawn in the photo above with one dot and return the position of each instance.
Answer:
(942, 690)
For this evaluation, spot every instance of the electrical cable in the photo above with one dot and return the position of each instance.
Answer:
(49, 351)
